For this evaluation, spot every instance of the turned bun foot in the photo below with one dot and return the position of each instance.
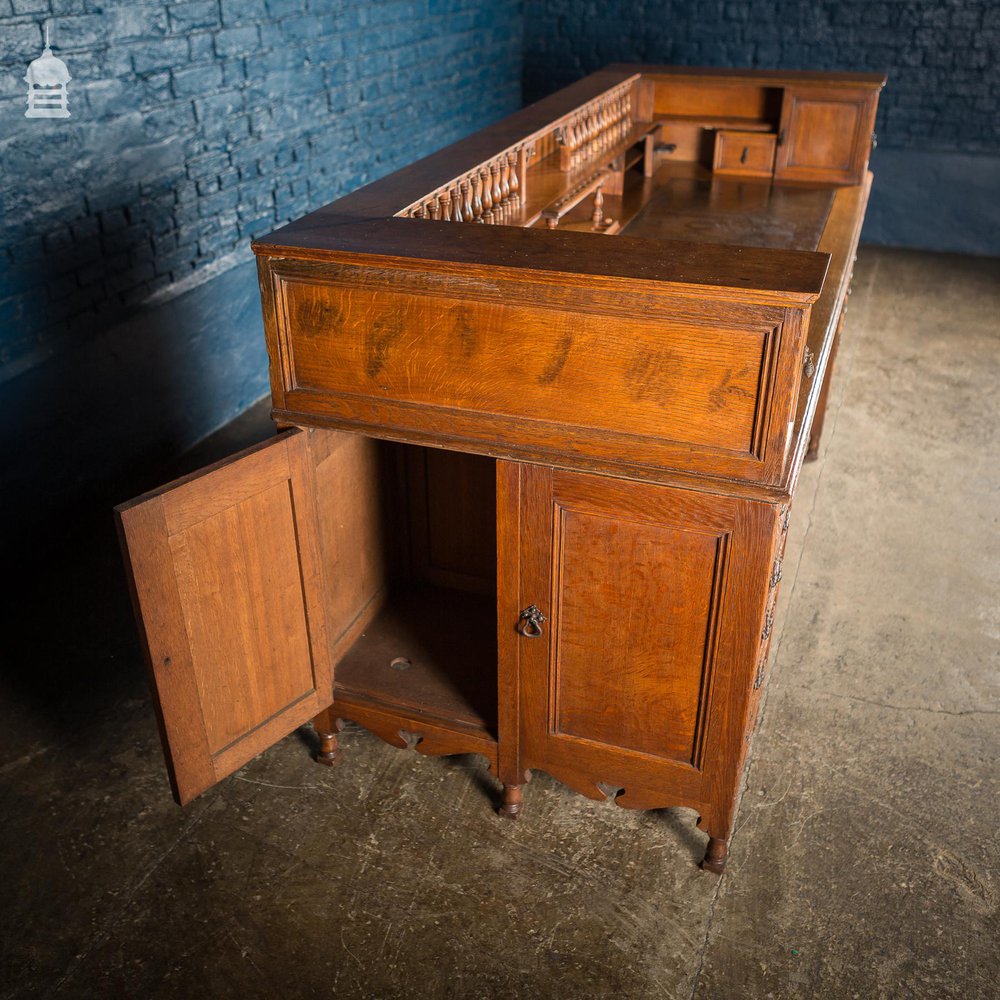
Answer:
(511, 807)
(329, 750)
(715, 856)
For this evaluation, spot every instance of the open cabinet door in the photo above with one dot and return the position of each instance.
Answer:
(228, 590)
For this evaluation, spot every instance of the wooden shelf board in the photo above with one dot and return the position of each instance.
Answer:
(449, 638)
(546, 183)
(724, 121)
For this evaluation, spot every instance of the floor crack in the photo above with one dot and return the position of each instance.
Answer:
(912, 708)
(708, 933)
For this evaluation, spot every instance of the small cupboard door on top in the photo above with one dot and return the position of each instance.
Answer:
(653, 599)
(233, 602)
(825, 134)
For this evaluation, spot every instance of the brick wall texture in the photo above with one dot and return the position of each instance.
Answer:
(942, 56)
(198, 125)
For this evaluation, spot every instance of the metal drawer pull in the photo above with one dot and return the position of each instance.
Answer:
(530, 622)
(809, 363)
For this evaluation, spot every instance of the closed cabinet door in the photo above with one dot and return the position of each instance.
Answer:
(640, 619)
(825, 135)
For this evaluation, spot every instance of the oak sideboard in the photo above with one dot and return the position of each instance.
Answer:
(543, 398)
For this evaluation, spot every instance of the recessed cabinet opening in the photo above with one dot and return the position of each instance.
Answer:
(408, 538)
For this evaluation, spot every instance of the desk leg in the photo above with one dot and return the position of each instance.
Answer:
(327, 725)
(812, 452)
(511, 807)
(715, 856)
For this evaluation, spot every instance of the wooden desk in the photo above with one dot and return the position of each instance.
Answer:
(549, 391)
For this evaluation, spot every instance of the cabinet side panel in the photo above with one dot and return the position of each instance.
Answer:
(453, 514)
(353, 476)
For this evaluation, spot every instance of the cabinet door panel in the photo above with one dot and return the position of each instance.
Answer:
(825, 135)
(631, 624)
(228, 591)
(654, 597)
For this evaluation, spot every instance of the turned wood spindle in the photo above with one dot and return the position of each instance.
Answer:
(434, 209)
(505, 186)
(484, 173)
(496, 193)
(445, 200)
(515, 197)
(466, 188)
(456, 205)
(477, 197)
(598, 217)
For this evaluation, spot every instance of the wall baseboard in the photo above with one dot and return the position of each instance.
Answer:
(935, 200)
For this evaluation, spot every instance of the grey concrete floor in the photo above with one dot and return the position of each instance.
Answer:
(865, 861)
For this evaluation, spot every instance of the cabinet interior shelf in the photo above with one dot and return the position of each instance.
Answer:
(430, 651)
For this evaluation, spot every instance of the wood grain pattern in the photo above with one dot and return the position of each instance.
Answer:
(744, 153)
(641, 697)
(661, 379)
(643, 641)
(229, 592)
(826, 135)
(701, 383)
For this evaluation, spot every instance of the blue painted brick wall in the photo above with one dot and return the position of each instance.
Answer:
(941, 55)
(198, 125)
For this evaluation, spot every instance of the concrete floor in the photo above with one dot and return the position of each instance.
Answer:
(865, 862)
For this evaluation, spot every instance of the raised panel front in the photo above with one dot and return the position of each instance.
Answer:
(229, 594)
(657, 378)
(653, 600)
(250, 644)
(825, 135)
(648, 379)
(633, 631)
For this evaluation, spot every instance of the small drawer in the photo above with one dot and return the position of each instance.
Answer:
(750, 154)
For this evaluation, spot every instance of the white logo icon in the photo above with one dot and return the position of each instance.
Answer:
(47, 78)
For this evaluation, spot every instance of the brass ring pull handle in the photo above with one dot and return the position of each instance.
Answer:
(529, 623)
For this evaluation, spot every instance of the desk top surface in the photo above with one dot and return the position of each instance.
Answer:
(748, 213)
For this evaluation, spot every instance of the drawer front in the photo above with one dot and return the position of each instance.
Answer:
(661, 383)
(750, 154)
